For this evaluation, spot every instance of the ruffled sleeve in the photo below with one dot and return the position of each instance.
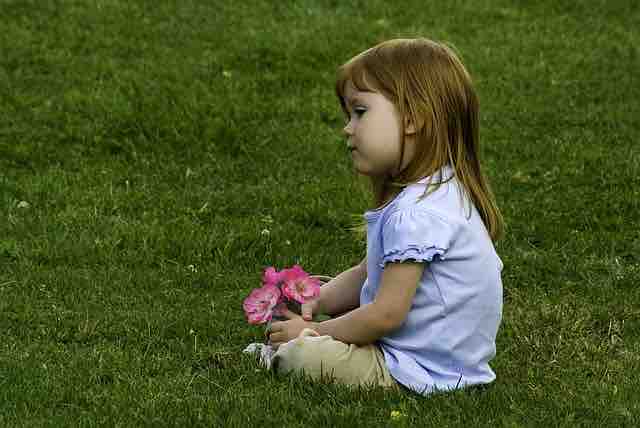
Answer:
(415, 234)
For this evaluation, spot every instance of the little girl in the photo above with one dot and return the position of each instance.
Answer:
(423, 308)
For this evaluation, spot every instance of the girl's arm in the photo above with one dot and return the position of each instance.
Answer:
(386, 313)
(342, 293)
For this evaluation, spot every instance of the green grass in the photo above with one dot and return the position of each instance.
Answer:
(138, 138)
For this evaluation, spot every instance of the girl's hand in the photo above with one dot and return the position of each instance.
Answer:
(309, 309)
(283, 331)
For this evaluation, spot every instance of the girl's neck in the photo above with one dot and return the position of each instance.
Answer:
(383, 192)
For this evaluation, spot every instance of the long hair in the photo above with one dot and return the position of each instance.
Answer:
(431, 88)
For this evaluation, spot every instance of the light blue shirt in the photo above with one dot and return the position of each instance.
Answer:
(448, 337)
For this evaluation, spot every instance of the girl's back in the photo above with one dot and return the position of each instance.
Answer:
(449, 333)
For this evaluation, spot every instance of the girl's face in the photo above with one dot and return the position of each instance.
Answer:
(374, 133)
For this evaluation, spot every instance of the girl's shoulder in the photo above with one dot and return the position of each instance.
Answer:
(443, 199)
(419, 225)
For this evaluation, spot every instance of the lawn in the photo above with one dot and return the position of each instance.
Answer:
(155, 156)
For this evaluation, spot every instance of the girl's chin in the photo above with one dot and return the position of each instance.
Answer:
(358, 167)
(362, 171)
(362, 168)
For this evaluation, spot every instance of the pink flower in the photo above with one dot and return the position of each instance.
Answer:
(298, 285)
(259, 306)
(271, 276)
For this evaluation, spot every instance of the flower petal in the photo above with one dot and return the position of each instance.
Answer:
(258, 306)
(259, 317)
(271, 276)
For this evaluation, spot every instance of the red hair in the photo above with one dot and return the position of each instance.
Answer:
(432, 89)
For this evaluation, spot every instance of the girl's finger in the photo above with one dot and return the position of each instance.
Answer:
(290, 315)
(274, 326)
(275, 339)
(306, 312)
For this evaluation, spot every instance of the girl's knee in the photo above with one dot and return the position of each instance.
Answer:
(307, 354)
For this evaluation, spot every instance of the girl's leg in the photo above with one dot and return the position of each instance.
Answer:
(324, 357)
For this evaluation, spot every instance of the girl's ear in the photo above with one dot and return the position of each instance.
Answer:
(410, 127)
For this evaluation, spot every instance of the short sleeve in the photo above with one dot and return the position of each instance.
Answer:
(415, 234)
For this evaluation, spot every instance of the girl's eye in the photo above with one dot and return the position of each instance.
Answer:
(359, 111)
